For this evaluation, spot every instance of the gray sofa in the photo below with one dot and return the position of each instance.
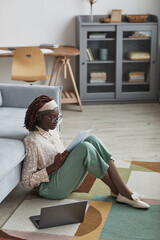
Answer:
(14, 100)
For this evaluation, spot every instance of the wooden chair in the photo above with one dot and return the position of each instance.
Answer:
(28, 65)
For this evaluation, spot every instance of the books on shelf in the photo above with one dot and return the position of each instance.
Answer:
(140, 35)
(88, 59)
(98, 35)
(136, 77)
(138, 55)
(136, 81)
(90, 54)
(98, 77)
(133, 74)
(97, 81)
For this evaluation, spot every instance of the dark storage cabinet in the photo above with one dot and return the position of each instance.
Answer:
(129, 77)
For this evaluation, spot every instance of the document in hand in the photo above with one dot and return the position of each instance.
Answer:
(78, 139)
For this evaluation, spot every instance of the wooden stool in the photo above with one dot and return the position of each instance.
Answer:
(63, 55)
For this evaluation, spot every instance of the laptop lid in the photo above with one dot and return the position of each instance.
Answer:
(60, 215)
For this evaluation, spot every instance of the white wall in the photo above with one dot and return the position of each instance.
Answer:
(32, 22)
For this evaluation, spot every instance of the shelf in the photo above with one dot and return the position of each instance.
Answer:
(68, 97)
(100, 84)
(137, 39)
(135, 83)
(99, 61)
(101, 39)
(136, 61)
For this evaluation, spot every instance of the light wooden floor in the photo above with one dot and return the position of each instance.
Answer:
(130, 131)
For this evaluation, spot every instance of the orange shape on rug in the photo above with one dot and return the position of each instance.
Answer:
(153, 166)
(103, 208)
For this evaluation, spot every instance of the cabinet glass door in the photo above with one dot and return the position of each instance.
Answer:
(100, 63)
(138, 53)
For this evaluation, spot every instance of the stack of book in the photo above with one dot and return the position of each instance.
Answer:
(98, 77)
(90, 54)
(136, 77)
(140, 35)
(98, 35)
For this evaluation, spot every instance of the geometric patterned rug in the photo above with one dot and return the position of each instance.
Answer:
(104, 218)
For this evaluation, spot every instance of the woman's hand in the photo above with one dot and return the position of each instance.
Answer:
(61, 157)
(58, 162)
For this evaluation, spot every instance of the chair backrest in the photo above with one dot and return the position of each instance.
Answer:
(28, 65)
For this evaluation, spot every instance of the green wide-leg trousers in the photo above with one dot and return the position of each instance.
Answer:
(89, 156)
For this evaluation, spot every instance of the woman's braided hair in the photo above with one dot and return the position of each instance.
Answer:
(32, 111)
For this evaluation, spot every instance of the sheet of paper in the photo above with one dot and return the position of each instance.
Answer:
(78, 139)
(45, 50)
(4, 51)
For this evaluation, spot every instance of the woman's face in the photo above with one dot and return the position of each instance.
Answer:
(49, 120)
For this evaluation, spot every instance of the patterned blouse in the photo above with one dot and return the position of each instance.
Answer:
(41, 149)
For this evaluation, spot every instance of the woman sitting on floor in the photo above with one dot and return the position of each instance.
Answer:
(54, 171)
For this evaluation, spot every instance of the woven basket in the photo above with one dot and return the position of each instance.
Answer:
(137, 18)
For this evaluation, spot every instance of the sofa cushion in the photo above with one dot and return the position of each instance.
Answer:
(1, 102)
(12, 152)
(12, 123)
(21, 96)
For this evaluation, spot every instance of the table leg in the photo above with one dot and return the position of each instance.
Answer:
(58, 73)
(65, 68)
(74, 83)
(53, 70)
